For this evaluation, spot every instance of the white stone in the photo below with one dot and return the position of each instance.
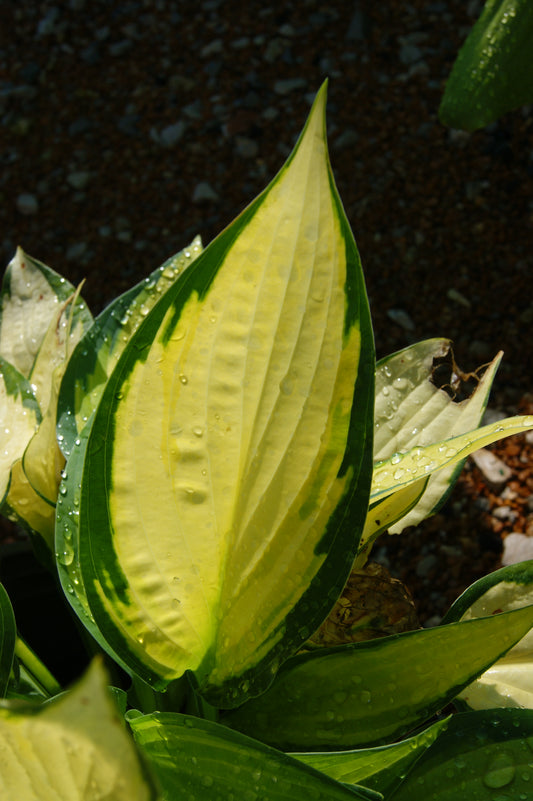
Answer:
(517, 548)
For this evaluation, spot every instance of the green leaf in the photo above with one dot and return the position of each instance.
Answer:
(486, 756)
(403, 469)
(493, 72)
(98, 351)
(194, 758)
(8, 637)
(411, 412)
(226, 477)
(31, 295)
(21, 416)
(371, 692)
(380, 768)
(72, 747)
(509, 681)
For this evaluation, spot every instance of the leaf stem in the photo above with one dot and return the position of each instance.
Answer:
(37, 672)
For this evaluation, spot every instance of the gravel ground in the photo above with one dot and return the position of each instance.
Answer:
(127, 128)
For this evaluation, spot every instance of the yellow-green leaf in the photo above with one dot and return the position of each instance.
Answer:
(227, 469)
(74, 747)
(411, 412)
(509, 682)
(406, 468)
(20, 416)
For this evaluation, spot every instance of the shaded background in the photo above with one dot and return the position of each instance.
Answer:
(127, 128)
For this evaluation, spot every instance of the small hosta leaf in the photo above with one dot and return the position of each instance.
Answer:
(20, 415)
(509, 682)
(31, 295)
(412, 412)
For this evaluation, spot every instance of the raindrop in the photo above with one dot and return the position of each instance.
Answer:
(500, 773)
(198, 431)
(396, 457)
(183, 378)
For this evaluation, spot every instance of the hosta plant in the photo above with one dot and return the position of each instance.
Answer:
(203, 466)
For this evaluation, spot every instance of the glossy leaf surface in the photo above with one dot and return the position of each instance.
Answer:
(493, 72)
(368, 693)
(194, 758)
(403, 469)
(227, 469)
(486, 756)
(381, 768)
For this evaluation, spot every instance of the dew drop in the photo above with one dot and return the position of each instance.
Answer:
(183, 378)
(501, 772)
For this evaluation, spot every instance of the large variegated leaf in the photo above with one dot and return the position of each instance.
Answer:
(407, 468)
(412, 412)
(74, 747)
(198, 759)
(31, 295)
(509, 682)
(20, 415)
(226, 477)
(98, 352)
(369, 693)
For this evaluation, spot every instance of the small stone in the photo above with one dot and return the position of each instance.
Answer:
(169, 136)
(274, 50)
(457, 297)
(204, 193)
(27, 204)
(285, 87)
(76, 251)
(79, 179)
(212, 49)
(401, 318)
(246, 148)
(517, 548)
(496, 472)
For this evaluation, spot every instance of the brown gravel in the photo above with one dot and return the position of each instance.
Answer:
(113, 115)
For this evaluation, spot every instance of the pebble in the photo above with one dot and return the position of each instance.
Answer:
(495, 471)
(27, 203)
(204, 193)
(517, 548)
(78, 180)
(285, 87)
(246, 148)
(401, 318)
(169, 136)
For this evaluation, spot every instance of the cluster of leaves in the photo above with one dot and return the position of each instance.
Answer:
(202, 467)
